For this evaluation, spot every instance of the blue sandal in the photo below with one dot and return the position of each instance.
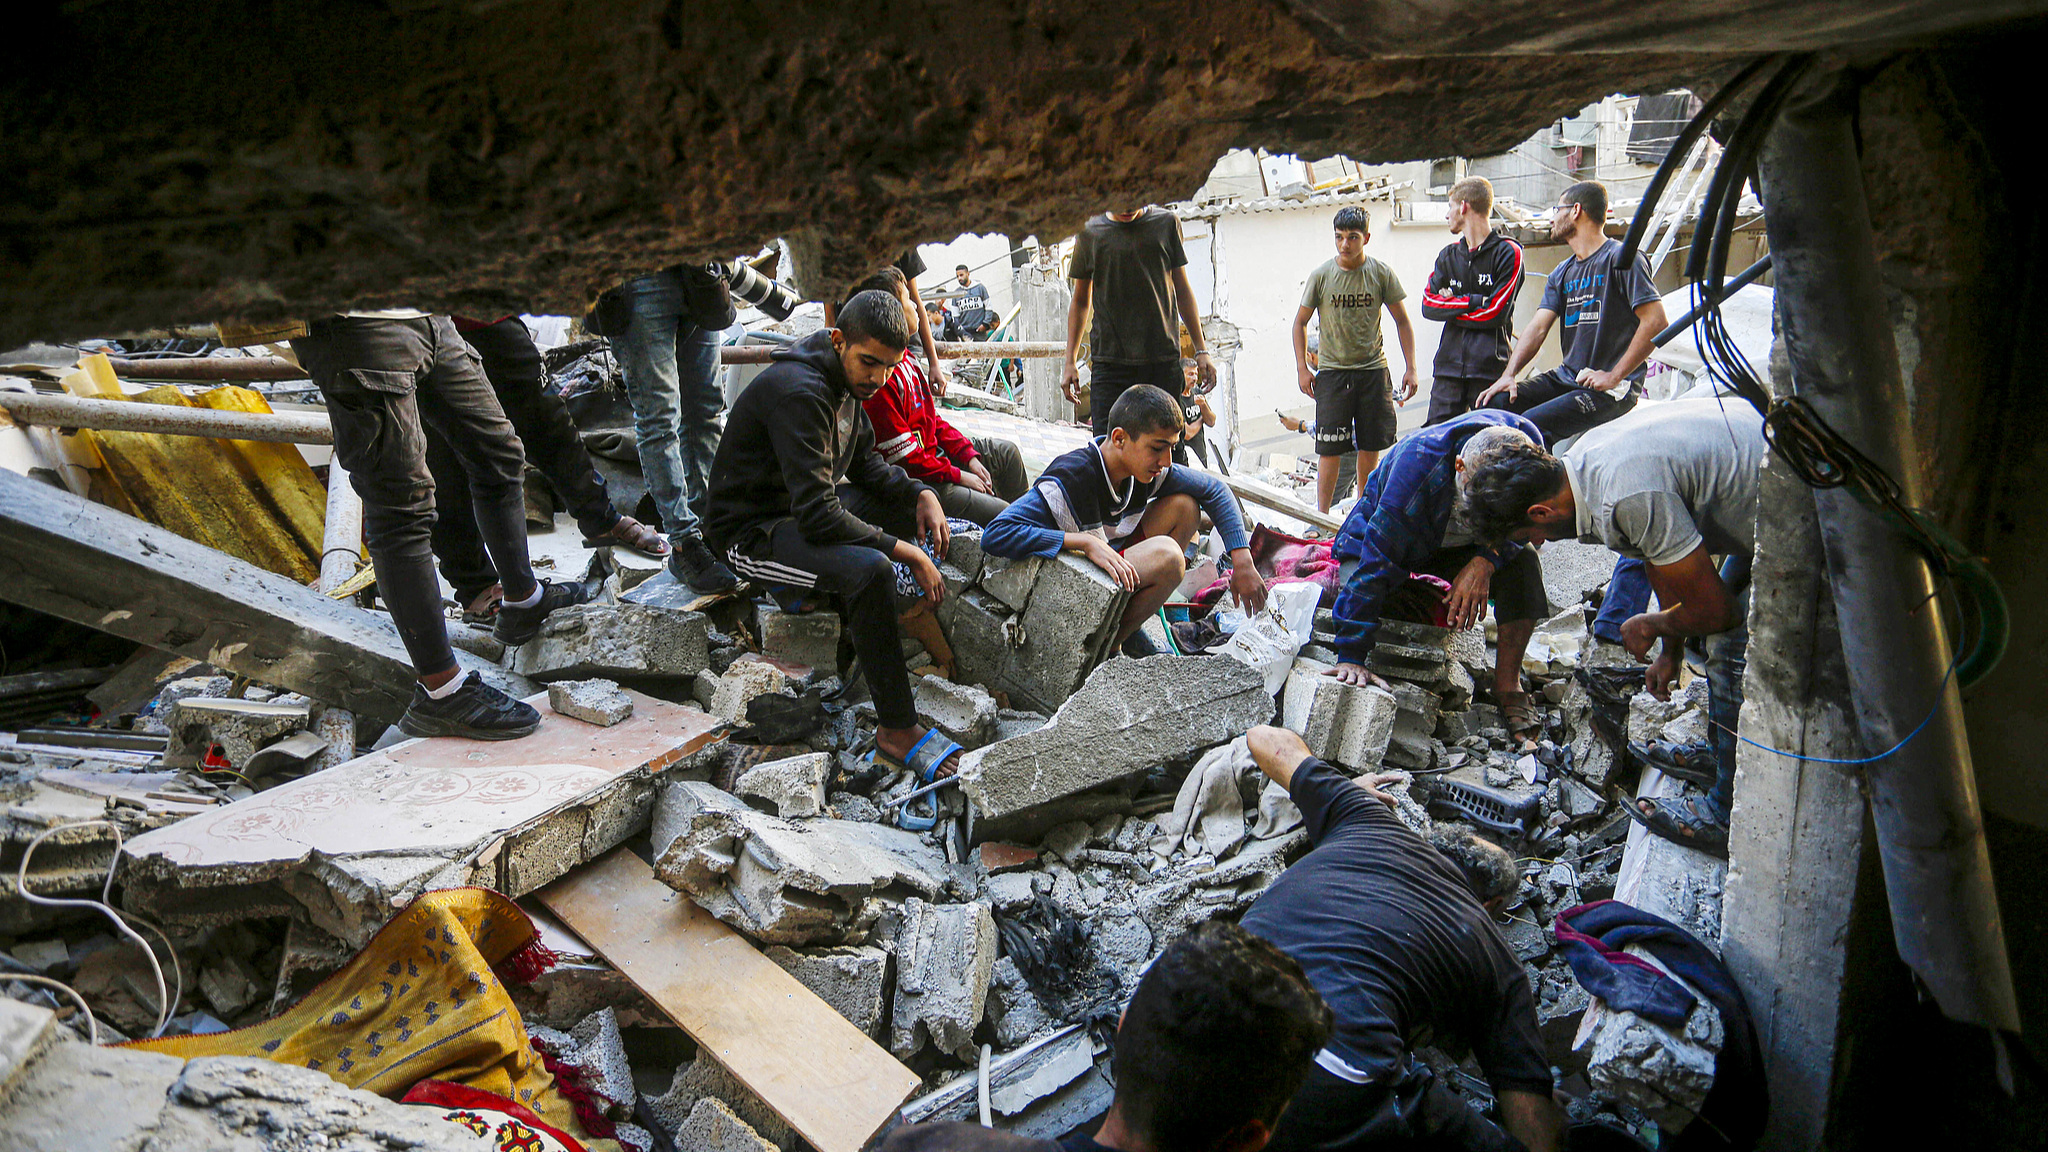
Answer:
(923, 764)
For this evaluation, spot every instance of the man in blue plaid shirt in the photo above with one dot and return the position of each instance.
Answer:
(1409, 521)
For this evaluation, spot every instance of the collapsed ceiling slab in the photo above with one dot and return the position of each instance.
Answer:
(196, 160)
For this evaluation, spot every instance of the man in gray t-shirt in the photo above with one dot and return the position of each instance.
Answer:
(1673, 485)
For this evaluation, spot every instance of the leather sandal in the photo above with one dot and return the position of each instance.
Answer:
(1524, 722)
(1692, 763)
(634, 536)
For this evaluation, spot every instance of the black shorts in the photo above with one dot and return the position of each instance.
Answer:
(1453, 396)
(1354, 411)
(1516, 589)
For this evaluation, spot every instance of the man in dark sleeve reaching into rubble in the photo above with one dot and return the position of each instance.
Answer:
(800, 501)
(1397, 934)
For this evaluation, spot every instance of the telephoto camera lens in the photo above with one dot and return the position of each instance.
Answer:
(771, 296)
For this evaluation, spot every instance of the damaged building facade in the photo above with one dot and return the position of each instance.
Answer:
(718, 925)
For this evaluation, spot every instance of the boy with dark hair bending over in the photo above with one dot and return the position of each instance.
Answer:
(799, 499)
(1118, 502)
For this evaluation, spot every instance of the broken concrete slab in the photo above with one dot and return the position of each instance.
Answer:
(1130, 716)
(239, 728)
(343, 849)
(782, 881)
(84, 562)
(25, 1030)
(849, 978)
(599, 702)
(962, 712)
(705, 1079)
(616, 640)
(1345, 724)
(1017, 1077)
(1572, 571)
(794, 786)
(944, 953)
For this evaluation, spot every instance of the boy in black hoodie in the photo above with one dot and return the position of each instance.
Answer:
(798, 497)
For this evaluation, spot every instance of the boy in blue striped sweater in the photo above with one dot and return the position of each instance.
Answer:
(1120, 502)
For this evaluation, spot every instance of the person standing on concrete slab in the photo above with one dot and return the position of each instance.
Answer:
(1130, 274)
(800, 501)
(1352, 390)
(1673, 486)
(975, 479)
(1472, 290)
(1218, 1037)
(512, 364)
(386, 376)
(1119, 502)
(1411, 518)
(1611, 317)
(1397, 933)
(665, 328)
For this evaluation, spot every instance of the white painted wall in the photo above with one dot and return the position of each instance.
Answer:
(1252, 269)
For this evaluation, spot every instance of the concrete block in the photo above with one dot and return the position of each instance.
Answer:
(1341, 723)
(712, 1126)
(1067, 628)
(795, 786)
(704, 1080)
(238, 727)
(800, 637)
(850, 979)
(944, 953)
(975, 626)
(1468, 648)
(962, 711)
(599, 702)
(1405, 662)
(1573, 571)
(614, 640)
(780, 881)
(963, 552)
(1009, 582)
(601, 1054)
(1130, 716)
(1409, 634)
(1009, 891)
(1015, 1010)
(742, 682)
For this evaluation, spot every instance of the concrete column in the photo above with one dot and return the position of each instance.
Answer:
(1042, 298)
(1798, 837)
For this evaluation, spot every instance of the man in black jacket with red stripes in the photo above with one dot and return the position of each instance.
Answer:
(1472, 290)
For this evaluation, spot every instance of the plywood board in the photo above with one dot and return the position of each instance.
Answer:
(817, 1071)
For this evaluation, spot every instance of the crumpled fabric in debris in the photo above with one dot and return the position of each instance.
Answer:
(1208, 815)
(1277, 814)
(906, 581)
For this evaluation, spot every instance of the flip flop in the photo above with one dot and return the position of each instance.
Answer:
(923, 765)
(1682, 820)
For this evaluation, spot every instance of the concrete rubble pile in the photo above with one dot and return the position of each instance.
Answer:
(738, 767)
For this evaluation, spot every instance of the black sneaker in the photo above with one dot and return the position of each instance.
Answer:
(694, 565)
(476, 710)
(518, 625)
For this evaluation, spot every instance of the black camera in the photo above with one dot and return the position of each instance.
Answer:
(771, 296)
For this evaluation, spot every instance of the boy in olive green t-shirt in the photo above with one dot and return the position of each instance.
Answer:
(1354, 401)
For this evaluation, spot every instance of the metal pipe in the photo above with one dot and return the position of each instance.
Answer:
(134, 416)
(208, 369)
(974, 350)
(341, 549)
(1923, 798)
(1740, 281)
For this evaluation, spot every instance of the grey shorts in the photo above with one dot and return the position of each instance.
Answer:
(1354, 411)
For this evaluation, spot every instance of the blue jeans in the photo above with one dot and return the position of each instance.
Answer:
(1628, 593)
(671, 370)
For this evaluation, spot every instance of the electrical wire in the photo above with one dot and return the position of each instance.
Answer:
(92, 1024)
(166, 1003)
(1939, 689)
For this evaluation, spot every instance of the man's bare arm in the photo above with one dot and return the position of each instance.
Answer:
(1077, 323)
(1649, 322)
(1532, 1118)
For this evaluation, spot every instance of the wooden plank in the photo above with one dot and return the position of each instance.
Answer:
(1267, 496)
(822, 1075)
(80, 561)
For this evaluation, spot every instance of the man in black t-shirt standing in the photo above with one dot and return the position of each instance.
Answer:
(1130, 271)
(1396, 934)
(1611, 314)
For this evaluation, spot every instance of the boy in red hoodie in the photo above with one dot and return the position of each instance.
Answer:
(975, 479)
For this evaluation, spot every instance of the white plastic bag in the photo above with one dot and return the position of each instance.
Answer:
(1270, 640)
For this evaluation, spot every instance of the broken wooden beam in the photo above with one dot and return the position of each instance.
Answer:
(1267, 496)
(208, 369)
(825, 1077)
(84, 562)
(949, 350)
